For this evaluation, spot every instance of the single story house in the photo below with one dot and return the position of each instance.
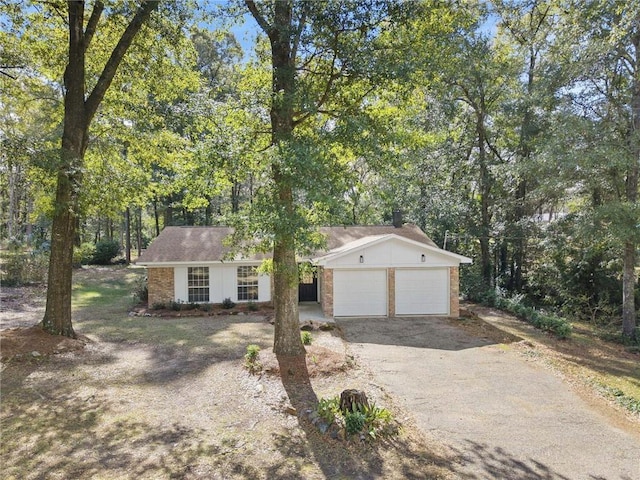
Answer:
(384, 270)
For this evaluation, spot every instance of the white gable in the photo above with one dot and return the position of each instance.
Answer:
(389, 251)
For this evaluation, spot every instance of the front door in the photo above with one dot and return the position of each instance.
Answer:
(308, 286)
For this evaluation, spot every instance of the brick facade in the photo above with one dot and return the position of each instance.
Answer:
(454, 292)
(326, 291)
(391, 292)
(161, 285)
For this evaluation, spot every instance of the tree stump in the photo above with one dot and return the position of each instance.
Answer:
(352, 400)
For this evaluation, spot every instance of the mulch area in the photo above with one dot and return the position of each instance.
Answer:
(33, 342)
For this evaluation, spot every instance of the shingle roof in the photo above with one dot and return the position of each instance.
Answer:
(207, 244)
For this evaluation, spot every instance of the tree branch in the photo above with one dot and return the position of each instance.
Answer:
(253, 9)
(98, 7)
(109, 71)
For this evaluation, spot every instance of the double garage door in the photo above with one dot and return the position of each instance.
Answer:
(361, 293)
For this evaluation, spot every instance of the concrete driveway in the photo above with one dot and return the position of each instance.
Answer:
(506, 418)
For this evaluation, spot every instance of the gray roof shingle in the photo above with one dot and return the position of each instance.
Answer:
(207, 244)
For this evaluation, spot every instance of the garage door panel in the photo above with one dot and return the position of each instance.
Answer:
(359, 293)
(422, 292)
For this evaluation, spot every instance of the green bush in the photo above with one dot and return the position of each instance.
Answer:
(20, 268)
(354, 422)
(106, 251)
(549, 323)
(141, 290)
(306, 338)
(252, 306)
(228, 303)
(83, 255)
(373, 420)
(206, 307)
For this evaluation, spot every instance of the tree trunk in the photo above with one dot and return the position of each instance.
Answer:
(127, 235)
(631, 187)
(57, 316)
(485, 190)
(156, 216)
(352, 400)
(139, 231)
(287, 341)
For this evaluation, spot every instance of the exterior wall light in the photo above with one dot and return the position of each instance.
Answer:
(423, 258)
(361, 259)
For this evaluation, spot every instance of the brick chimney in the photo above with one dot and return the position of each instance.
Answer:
(397, 219)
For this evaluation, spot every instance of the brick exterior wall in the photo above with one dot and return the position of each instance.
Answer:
(391, 292)
(454, 292)
(161, 285)
(326, 291)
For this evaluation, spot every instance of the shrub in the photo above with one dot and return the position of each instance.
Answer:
(206, 307)
(373, 420)
(252, 307)
(22, 268)
(175, 306)
(306, 338)
(549, 323)
(228, 303)
(252, 358)
(106, 251)
(141, 290)
(354, 422)
(83, 255)
(158, 306)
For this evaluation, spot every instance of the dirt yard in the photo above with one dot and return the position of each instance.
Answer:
(147, 397)
(169, 397)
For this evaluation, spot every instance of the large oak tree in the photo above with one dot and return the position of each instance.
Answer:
(80, 107)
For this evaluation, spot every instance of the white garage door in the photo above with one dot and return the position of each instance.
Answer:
(359, 293)
(422, 292)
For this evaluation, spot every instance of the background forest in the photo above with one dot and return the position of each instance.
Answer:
(509, 131)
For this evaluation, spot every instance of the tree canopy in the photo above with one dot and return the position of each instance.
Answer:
(507, 130)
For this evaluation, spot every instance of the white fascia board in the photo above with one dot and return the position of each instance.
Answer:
(199, 264)
(349, 247)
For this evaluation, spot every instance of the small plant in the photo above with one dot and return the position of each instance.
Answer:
(372, 420)
(354, 422)
(252, 359)
(328, 409)
(228, 303)
(175, 306)
(158, 306)
(206, 307)
(306, 338)
(252, 307)
(377, 419)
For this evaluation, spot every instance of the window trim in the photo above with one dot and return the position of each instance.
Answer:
(247, 291)
(198, 285)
